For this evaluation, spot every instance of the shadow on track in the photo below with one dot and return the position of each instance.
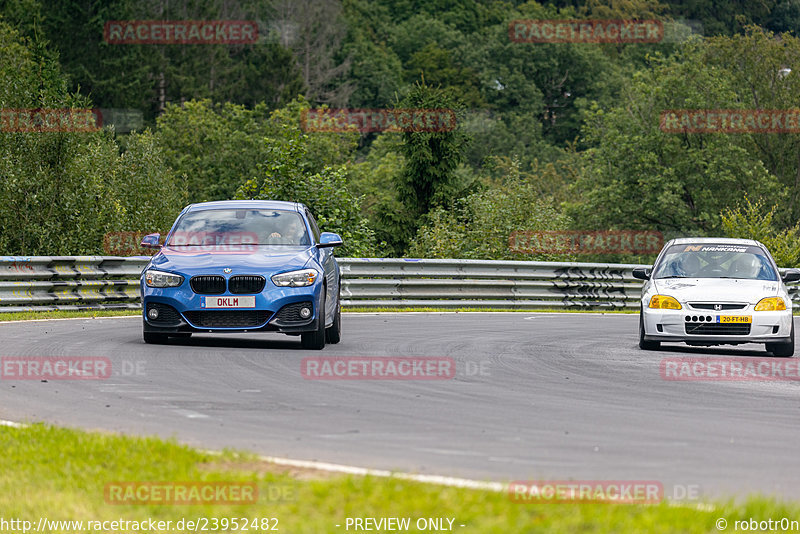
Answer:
(231, 341)
(715, 351)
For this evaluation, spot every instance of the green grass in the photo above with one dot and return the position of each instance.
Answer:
(61, 473)
(65, 314)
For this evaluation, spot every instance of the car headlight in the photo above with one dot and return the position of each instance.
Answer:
(155, 278)
(771, 304)
(664, 302)
(304, 277)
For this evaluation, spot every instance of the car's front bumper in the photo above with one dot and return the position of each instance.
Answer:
(671, 325)
(267, 315)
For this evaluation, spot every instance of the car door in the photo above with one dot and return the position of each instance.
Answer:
(331, 268)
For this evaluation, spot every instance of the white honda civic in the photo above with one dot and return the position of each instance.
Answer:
(716, 291)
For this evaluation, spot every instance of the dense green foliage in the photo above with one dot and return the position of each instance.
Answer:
(479, 225)
(61, 191)
(752, 221)
(549, 136)
(294, 170)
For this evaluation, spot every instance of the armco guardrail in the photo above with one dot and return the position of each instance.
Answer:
(96, 282)
(69, 282)
(382, 282)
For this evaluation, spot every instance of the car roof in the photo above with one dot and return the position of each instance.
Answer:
(247, 204)
(718, 240)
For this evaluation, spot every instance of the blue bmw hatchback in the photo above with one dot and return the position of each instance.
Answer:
(243, 266)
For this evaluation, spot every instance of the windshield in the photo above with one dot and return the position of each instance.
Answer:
(240, 226)
(715, 261)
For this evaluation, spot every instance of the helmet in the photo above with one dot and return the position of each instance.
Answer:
(746, 266)
(689, 265)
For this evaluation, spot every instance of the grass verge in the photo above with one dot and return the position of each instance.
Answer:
(65, 314)
(60, 474)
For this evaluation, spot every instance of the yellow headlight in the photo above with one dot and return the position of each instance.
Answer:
(771, 304)
(664, 302)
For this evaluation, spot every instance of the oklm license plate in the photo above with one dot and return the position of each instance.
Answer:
(734, 319)
(229, 302)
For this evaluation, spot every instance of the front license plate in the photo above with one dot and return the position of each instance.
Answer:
(229, 302)
(734, 319)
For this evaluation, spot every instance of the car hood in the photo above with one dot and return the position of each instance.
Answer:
(717, 289)
(257, 259)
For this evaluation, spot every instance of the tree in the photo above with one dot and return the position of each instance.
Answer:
(431, 159)
(61, 191)
(375, 69)
(300, 167)
(723, 18)
(640, 177)
(751, 64)
(479, 226)
(785, 17)
(315, 30)
(220, 146)
(752, 220)
(216, 146)
(146, 77)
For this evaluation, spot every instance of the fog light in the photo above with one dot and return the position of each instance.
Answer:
(305, 313)
(152, 314)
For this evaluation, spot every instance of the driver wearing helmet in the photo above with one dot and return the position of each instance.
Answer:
(685, 266)
(747, 266)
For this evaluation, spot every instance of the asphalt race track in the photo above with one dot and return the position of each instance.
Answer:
(535, 396)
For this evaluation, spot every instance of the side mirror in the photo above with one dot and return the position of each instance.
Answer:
(642, 273)
(150, 241)
(329, 239)
(791, 275)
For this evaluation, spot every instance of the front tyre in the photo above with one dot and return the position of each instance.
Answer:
(316, 340)
(783, 350)
(334, 334)
(643, 344)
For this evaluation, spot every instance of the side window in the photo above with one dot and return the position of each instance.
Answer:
(314, 227)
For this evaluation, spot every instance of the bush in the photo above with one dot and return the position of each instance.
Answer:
(287, 172)
(479, 225)
(61, 191)
(753, 221)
